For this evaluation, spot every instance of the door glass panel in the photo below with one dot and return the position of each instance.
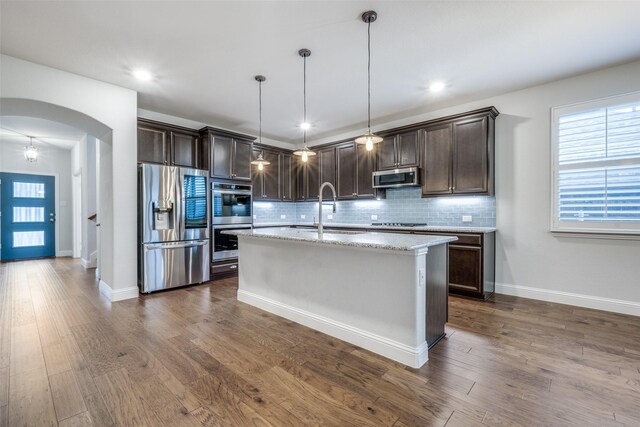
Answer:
(28, 214)
(31, 190)
(23, 239)
(195, 194)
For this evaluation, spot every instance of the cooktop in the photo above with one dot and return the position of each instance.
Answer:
(399, 224)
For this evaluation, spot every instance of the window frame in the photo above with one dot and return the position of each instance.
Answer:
(584, 228)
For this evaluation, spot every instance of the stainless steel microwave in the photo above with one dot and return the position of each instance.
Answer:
(405, 177)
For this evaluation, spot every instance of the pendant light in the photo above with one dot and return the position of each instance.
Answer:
(260, 161)
(369, 138)
(31, 152)
(305, 152)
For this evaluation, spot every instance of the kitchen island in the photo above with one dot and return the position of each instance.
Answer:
(384, 292)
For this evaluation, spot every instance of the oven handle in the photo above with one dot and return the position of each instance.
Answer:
(241, 192)
(227, 226)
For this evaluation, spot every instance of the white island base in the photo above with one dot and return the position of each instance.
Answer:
(391, 302)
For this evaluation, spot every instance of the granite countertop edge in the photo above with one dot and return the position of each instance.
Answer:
(436, 228)
(385, 241)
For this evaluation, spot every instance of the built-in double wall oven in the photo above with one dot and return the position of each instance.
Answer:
(231, 211)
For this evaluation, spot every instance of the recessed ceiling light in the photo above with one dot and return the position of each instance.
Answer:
(436, 86)
(305, 126)
(143, 75)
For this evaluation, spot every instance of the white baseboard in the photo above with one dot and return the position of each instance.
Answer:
(411, 356)
(580, 300)
(117, 294)
(64, 253)
(87, 264)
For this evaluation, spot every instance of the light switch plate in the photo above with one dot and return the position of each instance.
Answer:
(374, 217)
(303, 216)
(255, 217)
(467, 218)
(329, 216)
(283, 217)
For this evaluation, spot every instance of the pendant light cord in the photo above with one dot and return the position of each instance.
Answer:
(304, 101)
(260, 114)
(369, 75)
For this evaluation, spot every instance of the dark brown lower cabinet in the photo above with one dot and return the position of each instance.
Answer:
(471, 264)
(224, 268)
(466, 273)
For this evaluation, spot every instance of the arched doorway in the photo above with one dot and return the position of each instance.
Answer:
(102, 134)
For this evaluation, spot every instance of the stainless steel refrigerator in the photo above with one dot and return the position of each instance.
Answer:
(173, 227)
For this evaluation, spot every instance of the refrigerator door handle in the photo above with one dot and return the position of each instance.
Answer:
(174, 245)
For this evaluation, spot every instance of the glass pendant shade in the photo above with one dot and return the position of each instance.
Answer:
(305, 153)
(369, 139)
(31, 153)
(260, 162)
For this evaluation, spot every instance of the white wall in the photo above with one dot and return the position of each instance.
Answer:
(530, 261)
(51, 161)
(89, 193)
(106, 107)
(83, 157)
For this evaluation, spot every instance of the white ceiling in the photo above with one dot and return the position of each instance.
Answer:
(14, 129)
(205, 54)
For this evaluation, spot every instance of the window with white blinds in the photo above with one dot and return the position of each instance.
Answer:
(596, 166)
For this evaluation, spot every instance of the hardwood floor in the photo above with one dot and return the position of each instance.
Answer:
(197, 357)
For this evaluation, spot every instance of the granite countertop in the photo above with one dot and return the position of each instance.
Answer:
(385, 241)
(436, 228)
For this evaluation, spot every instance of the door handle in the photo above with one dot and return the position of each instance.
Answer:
(174, 245)
(52, 217)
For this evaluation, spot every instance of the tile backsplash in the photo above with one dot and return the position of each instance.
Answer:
(400, 205)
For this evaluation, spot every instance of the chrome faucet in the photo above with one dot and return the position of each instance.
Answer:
(330, 185)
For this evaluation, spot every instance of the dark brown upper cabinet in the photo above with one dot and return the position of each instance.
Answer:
(399, 150)
(327, 157)
(230, 154)
(184, 149)
(166, 144)
(470, 157)
(221, 157)
(307, 178)
(266, 182)
(152, 144)
(287, 177)
(313, 176)
(387, 153)
(354, 169)
(365, 165)
(301, 181)
(346, 185)
(436, 160)
(271, 175)
(458, 156)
